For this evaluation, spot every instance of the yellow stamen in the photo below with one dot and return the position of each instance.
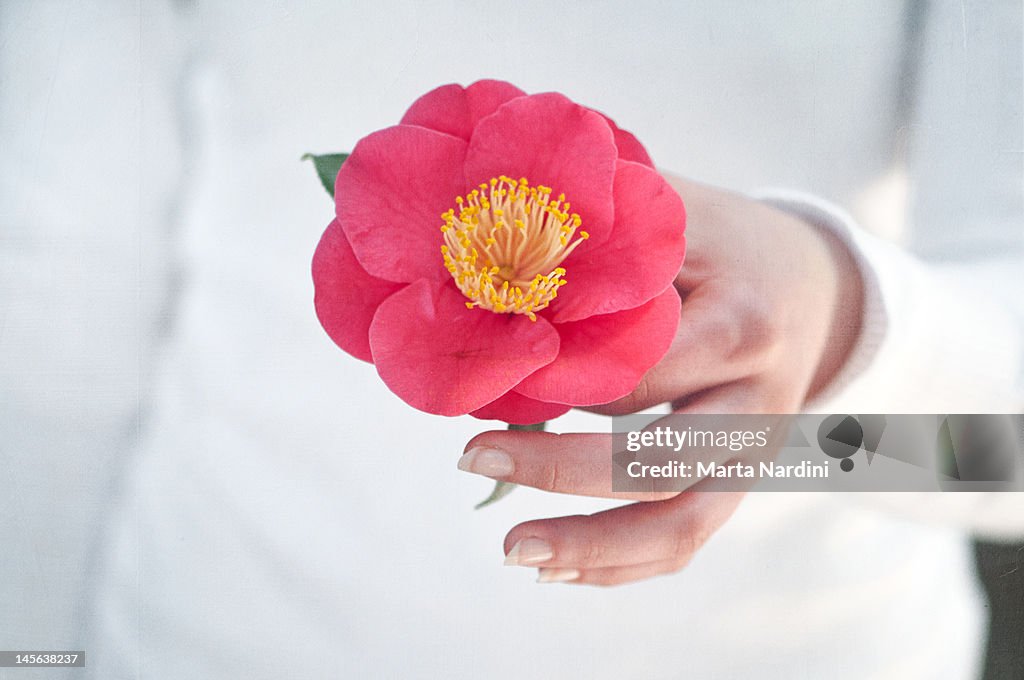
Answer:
(509, 271)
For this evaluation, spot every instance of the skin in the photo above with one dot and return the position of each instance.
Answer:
(771, 308)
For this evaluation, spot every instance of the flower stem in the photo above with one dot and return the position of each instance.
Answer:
(502, 489)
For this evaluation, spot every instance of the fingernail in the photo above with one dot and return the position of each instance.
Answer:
(487, 462)
(556, 575)
(529, 551)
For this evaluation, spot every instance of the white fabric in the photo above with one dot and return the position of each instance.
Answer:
(922, 342)
(278, 512)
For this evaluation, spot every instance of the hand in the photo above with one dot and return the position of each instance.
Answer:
(771, 306)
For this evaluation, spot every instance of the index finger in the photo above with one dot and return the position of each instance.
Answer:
(578, 463)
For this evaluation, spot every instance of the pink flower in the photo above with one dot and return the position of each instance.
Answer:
(502, 254)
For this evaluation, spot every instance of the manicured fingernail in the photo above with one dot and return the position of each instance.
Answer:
(529, 551)
(556, 575)
(487, 462)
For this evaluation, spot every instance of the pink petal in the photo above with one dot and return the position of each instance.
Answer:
(604, 357)
(552, 141)
(516, 409)
(456, 110)
(642, 257)
(346, 297)
(389, 197)
(630, 148)
(442, 358)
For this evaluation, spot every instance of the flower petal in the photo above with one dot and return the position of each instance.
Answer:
(346, 296)
(516, 409)
(442, 358)
(604, 357)
(389, 197)
(642, 257)
(456, 110)
(630, 148)
(552, 141)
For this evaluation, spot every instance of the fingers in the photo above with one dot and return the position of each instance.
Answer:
(579, 464)
(623, 544)
(582, 464)
(632, 534)
(723, 336)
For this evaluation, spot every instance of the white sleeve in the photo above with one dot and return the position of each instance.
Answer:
(943, 323)
(935, 338)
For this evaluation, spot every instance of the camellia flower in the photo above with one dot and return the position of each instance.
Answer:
(502, 254)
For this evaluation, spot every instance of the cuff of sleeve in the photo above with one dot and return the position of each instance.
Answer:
(931, 341)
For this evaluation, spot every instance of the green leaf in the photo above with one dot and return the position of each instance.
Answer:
(536, 427)
(502, 489)
(327, 166)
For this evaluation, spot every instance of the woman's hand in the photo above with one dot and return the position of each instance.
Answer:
(770, 309)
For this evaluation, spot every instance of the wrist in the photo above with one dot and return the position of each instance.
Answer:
(857, 320)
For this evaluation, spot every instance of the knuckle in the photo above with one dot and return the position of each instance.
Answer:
(719, 328)
(641, 395)
(551, 476)
(635, 401)
(749, 331)
(682, 550)
(592, 553)
(678, 564)
(687, 541)
(560, 477)
(758, 323)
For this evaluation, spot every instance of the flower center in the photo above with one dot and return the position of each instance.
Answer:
(505, 244)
